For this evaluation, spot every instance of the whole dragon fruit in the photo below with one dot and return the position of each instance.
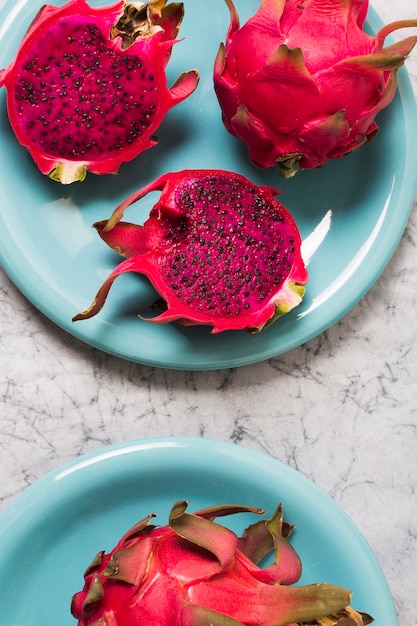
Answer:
(196, 572)
(301, 82)
(219, 250)
(87, 88)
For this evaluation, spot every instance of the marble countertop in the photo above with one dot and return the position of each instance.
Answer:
(341, 409)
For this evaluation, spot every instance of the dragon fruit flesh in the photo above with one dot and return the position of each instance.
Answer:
(87, 88)
(196, 572)
(218, 249)
(301, 82)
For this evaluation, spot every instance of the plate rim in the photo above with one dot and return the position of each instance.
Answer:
(34, 496)
(286, 344)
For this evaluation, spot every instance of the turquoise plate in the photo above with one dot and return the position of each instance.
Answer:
(352, 214)
(52, 531)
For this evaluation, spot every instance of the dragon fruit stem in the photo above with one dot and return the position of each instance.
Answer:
(116, 216)
(100, 298)
(390, 28)
(204, 532)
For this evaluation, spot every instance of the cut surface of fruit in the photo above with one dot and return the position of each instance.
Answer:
(87, 88)
(219, 250)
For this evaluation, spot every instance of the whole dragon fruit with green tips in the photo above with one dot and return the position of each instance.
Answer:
(301, 82)
(196, 572)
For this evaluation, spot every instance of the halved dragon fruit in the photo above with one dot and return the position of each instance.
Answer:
(87, 88)
(301, 82)
(196, 572)
(219, 250)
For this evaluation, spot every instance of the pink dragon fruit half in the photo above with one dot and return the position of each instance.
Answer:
(196, 572)
(301, 82)
(219, 250)
(87, 88)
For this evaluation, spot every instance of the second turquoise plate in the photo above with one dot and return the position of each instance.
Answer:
(50, 533)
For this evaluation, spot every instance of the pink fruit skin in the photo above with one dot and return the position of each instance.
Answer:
(179, 577)
(79, 100)
(218, 249)
(301, 82)
(193, 573)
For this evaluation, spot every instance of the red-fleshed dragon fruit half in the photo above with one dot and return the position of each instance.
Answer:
(87, 88)
(196, 572)
(301, 82)
(218, 249)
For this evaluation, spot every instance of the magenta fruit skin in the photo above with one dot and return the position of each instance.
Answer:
(302, 82)
(196, 572)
